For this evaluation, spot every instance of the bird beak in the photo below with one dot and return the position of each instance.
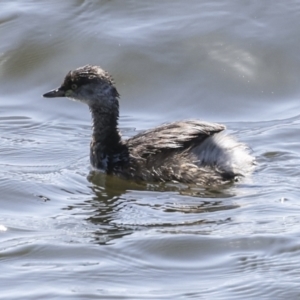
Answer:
(55, 93)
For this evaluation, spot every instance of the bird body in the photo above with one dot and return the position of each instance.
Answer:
(192, 151)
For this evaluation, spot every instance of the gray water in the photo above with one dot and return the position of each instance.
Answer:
(69, 233)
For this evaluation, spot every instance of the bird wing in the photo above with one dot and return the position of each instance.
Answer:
(175, 135)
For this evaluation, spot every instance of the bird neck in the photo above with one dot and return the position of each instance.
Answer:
(106, 139)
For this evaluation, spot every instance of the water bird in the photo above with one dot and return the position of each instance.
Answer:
(190, 151)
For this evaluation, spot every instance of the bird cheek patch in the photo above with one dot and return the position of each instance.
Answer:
(69, 93)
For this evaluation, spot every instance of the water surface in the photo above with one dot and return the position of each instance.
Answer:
(70, 233)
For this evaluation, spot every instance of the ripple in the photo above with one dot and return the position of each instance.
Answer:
(69, 233)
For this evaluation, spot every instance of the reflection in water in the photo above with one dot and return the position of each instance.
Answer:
(225, 61)
(238, 60)
(120, 207)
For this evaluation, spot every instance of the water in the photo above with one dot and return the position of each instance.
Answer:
(69, 233)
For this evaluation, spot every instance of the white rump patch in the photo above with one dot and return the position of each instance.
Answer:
(224, 153)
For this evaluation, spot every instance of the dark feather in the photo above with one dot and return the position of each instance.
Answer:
(175, 135)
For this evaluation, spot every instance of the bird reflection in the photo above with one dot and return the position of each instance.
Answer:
(120, 207)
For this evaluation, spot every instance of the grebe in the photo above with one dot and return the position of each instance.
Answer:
(192, 151)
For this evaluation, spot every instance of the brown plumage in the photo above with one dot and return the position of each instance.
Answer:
(193, 152)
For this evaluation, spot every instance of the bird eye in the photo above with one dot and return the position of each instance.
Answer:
(74, 86)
